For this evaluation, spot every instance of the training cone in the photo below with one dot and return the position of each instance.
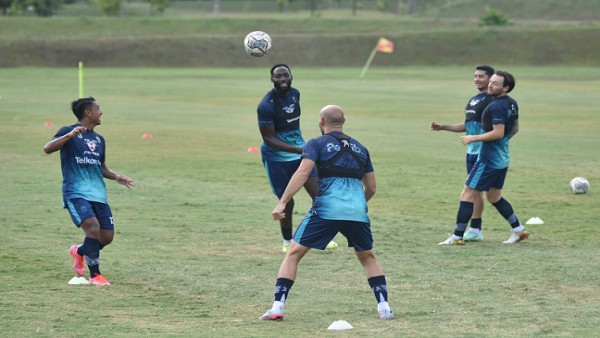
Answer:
(48, 123)
(253, 150)
(340, 325)
(78, 280)
(535, 220)
(147, 136)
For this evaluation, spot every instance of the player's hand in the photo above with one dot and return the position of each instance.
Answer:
(124, 180)
(278, 213)
(466, 139)
(78, 131)
(435, 126)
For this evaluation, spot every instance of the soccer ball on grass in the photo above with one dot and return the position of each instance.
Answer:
(579, 185)
(257, 43)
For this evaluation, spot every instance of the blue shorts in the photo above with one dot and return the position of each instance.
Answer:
(315, 232)
(482, 178)
(471, 160)
(81, 210)
(280, 174)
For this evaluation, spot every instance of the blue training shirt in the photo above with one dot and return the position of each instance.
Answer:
(473, 112)
(81, 161)
(503, 110)
(339, 198)
(283, 113)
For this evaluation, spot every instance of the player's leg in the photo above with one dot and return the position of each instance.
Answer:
(285, 279)
(494, 196)
(83, 216)
(474, 232)
(279, 174)
(361, 239)
(107, 226)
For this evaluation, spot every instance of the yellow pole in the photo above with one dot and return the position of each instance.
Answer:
(364, 71)
(80, 78)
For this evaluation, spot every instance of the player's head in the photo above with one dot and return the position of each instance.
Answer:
(489, 70)
(79, 106)
(509, 80)
(281, 76)
(332, 117)
(501, 84)
(482, 76)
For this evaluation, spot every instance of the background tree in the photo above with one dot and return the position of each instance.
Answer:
(159, 6)
(109, 7)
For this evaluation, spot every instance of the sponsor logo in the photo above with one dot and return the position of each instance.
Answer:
(86, 160)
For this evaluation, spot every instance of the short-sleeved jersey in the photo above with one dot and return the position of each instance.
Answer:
(503, 110)
(283, 113)
(339, 198)
(473, 112)
(81, 161)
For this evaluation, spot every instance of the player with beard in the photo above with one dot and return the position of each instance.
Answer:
(472, 126)
(499, 123)
(279, 125)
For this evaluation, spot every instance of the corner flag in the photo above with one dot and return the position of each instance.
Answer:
(384, 46)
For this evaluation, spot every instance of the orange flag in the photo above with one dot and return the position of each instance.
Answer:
(385, 46)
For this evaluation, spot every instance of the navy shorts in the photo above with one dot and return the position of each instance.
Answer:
(471, 160)
(315, 232)
(81, 209)
(280, 174)
(482, 178)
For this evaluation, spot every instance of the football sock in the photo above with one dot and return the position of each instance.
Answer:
(100, 245)
(465, 211)
(282, 288)
(476, 223)
(90, 250)
(506, 210)
(379, 287)
(286, 233)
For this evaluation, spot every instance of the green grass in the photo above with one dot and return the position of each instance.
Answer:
(195, 251)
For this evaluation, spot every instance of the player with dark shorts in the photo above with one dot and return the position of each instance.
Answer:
(279, 125)
(472, 126)
(346, 184)
(500, 122)
(82, 157)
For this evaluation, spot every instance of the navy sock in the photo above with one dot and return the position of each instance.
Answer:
(465, 211)
(282, 288)
(287, 234)
(100, 245)
(506, 210)
(379, 287)
(90, 249)
(476, 223)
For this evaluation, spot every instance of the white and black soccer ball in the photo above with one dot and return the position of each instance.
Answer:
(579, 185)
(257, 43)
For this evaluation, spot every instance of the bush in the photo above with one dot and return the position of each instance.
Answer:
(494, 18)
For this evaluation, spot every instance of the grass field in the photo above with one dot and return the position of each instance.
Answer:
(196, 253)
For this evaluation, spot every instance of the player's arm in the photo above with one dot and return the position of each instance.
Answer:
(57, 143)
(121, 179)
(296, 183)
(369, 185)
(268, 135)
(492, 135)
(457, 128)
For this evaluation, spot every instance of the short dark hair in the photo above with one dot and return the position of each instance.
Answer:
(280, 65)
(80, 105)
(489, 70)
(509, 80)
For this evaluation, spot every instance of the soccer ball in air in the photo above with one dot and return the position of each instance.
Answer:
(257, 43)
(579, 185)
